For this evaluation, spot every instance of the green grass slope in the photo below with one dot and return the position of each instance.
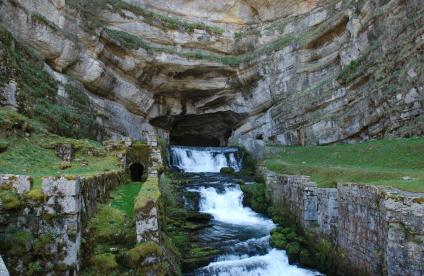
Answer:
(398, 163)
(28, 150)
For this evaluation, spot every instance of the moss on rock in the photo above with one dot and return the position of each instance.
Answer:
(104, 262)
(149, 193)
(110, 225)
(35, 195)
(9, 200)
(139, 253)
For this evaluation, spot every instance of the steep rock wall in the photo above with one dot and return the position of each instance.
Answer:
(287, 72)
(46, 231)
(367, 222)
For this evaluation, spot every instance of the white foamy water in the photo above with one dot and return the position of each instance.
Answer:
(196, 159)
(224, 201)
(275, 263)
(228, 207)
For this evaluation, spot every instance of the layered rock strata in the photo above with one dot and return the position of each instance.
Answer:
(250, 72)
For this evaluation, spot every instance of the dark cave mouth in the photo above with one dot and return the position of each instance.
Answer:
(136, 172)
(204, 130)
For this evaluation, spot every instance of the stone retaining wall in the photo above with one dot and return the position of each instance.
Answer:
(61, 215)
(3, 268)
(380, 230)
(147, 207)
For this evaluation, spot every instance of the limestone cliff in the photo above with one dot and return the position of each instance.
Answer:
(288, 72)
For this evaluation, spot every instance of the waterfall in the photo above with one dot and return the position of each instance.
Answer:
(227, 207)
(241, 233)
(198, 159)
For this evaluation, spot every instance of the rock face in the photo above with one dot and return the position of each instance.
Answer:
(367, 222)
(49, 227)
(3, 268)
(287, 72)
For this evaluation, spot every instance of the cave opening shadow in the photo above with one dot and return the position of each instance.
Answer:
(136, 172)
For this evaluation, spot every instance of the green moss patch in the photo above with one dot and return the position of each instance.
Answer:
(255, 197)
(110, 225)
(149, 193)
(143, 250)
(124, 196)
(35, 195)
(10, 200)
(104, 262)
(391, 162)
(16, 242)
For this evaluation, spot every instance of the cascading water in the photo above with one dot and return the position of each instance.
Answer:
(198, 159)
(241, 234)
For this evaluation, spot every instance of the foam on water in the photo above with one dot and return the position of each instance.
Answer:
(224, 201)
(228, 207)
(197, 159)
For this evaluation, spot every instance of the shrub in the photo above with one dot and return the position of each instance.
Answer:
(104, 262)
(41, 244)
(35, 268)
(9, 199)
(137, 254)
(17, 242)
(109, 225)
(226, 171)
(349, 72)
(255, 196)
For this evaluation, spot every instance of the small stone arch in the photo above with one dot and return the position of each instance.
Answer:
(136, 172)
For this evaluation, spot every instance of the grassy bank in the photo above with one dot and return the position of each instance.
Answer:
(28, 149)
(398, 163)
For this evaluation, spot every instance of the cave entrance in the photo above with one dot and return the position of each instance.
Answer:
(196, 140)
(136, 172)
(199, 130)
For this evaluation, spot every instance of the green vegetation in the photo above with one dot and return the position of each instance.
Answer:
(104, 262)
(10, 200)
(124, 196)
(110, 244)
(31, 152)
(349, 72)
(77, 95)
(35, 195)
(111, 225)
(392, 162)
(16, 242)
(179, 226)
(137, 254)
(255, 197)
(37, 91)
(149, 192)
(130, 41)
(226, 171)
(42, 242)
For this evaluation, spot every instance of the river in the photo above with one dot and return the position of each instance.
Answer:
(241, 234)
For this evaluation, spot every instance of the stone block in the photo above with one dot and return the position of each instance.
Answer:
(20, 183)
(69, 204)
(55, 186)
